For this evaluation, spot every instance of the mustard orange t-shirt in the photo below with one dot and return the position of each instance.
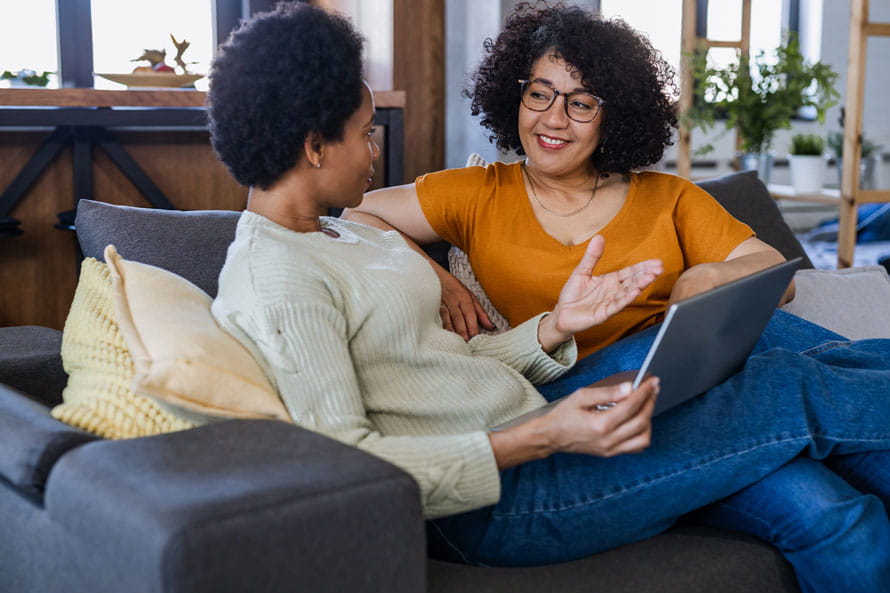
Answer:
(486, 212)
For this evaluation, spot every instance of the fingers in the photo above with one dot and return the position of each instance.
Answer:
(641, 274)
(446, 318)
(482, 316)
(626, 426)
(591, 255)
(463, 317)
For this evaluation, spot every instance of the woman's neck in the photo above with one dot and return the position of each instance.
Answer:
(569, 184)
(288, 203)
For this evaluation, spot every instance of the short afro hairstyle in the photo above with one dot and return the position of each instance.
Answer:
(615, 62)
(280, 76)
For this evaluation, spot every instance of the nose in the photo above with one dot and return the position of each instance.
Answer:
(375, 149)
(556, 116)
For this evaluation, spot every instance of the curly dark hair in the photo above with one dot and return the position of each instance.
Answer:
(615, 62)
(278, 77)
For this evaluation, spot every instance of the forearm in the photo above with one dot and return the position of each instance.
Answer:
(745, 265)
(520, 444)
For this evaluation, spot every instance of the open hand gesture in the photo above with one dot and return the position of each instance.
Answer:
(587, 300)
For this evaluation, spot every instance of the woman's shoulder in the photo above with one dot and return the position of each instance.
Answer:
(666, 186)
(482, 175)
(660, 179)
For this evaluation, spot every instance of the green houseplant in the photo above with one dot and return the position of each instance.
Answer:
(807, 163)
(868, 150)
(760, 96)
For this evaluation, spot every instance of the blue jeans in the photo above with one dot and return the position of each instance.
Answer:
(804, 392)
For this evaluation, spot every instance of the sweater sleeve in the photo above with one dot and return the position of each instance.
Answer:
(306, 346)
(519, 348)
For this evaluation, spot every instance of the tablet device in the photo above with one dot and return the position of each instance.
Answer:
(704, 339)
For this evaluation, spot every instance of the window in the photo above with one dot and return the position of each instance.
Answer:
(661, 21)
(122, 29)
(74, 38)
(29, 38)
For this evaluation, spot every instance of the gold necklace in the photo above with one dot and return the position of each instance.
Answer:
(596, 185)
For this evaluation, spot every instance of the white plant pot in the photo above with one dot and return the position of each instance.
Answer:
(807, 173)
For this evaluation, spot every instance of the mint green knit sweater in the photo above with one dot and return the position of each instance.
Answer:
(348, 330)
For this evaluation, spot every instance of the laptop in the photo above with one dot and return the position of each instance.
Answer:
(704, 339)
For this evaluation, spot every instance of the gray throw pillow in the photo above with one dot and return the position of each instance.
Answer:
(192, 244)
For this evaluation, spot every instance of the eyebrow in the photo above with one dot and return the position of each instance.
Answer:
(577, 89)
(370, 122)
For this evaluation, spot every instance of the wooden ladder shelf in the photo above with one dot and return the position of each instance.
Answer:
(692, 42)
(852, 196)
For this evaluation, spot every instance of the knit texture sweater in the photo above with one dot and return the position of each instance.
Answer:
(348, 330)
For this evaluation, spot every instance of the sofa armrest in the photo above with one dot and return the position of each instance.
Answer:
(854, 302)
(244, 505)
(31, 361)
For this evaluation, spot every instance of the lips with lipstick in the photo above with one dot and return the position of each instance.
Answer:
(551, 142)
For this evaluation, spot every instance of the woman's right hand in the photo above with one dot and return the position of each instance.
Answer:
(594, 420)
(461, 311)
(605, 421)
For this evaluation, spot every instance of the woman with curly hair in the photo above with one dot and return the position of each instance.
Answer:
(344, 320)
(589, 102)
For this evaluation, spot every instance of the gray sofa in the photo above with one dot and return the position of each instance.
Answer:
(253, 505)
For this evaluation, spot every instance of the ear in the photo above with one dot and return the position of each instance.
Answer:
(313, 149)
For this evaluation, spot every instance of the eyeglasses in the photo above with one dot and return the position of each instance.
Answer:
(580, 106)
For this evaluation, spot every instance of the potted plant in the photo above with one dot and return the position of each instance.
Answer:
(26, 77)
(868, 150)
(759, 96)
(807, 163)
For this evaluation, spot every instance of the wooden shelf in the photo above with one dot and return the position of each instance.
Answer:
(20, 97)
(786, 192)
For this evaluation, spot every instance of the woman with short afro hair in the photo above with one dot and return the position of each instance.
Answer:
(252, 134)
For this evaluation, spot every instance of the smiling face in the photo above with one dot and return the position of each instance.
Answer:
(554, 144)
(349, 163)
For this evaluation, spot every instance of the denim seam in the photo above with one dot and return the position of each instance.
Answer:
(696, 467)
(824, 347)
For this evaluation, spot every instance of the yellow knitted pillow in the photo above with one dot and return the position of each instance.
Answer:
(99, 396)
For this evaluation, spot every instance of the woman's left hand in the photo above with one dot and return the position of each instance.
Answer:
(587, 300)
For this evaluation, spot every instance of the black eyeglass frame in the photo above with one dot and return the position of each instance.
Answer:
(523, 85)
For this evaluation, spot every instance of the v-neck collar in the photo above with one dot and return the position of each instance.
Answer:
(536, 224)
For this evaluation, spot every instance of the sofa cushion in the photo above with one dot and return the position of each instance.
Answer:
(854, 302)
(687, 559)
(183, 359)
(31, 441)
(99, 396)
(30, 362)
(190, 244)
